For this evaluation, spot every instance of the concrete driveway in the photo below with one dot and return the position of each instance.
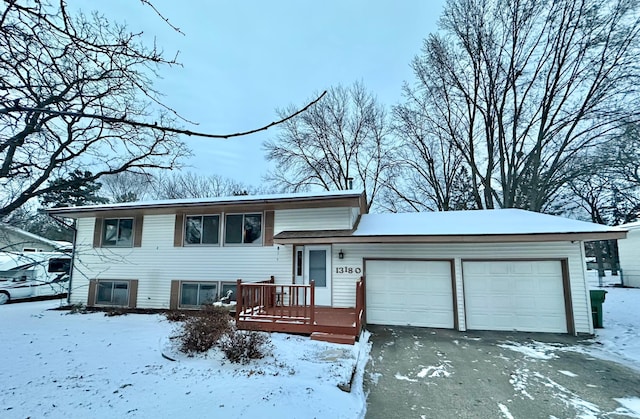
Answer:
(435, 373)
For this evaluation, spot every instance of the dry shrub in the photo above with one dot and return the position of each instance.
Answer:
(243, 346)
(176, 315)
(202, 331)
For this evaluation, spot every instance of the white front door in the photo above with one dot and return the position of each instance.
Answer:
(317, 267)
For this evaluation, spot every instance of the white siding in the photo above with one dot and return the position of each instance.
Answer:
(312, 219)
(158, 262)
(344, 284)
(629, 251)
(355, 213)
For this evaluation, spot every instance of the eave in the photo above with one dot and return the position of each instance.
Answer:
(204, 207)
(478, 238)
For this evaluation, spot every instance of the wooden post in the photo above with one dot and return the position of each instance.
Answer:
(313, 302)
(272, 303)
(239, 299)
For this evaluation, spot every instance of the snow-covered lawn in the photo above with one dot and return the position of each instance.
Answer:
(56, 365)
(74, 366)
(619, 340)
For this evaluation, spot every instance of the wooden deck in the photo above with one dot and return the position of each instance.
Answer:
(291, 309)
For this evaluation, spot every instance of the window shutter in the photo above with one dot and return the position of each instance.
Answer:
(137, 233)
(177, 233)
(173, 296)
(133, 293)
(268, 228)
(97, 232)
(91, 297)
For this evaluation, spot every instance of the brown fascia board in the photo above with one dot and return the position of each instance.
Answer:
(195, 207)
(480, 238)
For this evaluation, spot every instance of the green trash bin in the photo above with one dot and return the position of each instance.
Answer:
(597, 298)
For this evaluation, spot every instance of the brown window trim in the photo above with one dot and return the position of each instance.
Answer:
(98, 228)
(132, 288)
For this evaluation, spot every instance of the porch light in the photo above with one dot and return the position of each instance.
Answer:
(341, 254)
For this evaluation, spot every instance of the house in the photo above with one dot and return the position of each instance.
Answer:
(326, 257)
(629, 253)
(13, 239)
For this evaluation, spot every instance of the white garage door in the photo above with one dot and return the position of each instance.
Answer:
(525, 296)
(414, 293)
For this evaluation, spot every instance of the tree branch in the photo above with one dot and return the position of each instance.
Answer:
(154, 126)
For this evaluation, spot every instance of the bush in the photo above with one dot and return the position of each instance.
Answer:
(176, 316)
(202, 331)
(243, 346)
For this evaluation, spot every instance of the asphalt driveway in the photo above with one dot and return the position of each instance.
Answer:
(435, 373)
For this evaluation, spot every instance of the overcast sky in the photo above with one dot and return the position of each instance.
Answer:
(244, 59)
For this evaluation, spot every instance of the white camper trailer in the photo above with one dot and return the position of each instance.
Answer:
(33, 274)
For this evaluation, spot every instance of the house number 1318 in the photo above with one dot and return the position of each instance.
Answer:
(347, 270)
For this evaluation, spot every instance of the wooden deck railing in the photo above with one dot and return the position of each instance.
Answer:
(292, 308)
(266, 301)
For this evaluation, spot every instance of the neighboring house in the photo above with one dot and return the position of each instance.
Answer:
(482, 270)
(629, 253)
(13, 239)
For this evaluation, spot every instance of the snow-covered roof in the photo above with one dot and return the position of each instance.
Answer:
(479, 222)
(31, 236)
(480, 226)
(240, 199)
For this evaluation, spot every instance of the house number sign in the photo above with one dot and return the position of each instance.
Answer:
(348, 270)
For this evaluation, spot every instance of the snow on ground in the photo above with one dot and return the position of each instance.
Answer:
(618, 341)
(53, 364)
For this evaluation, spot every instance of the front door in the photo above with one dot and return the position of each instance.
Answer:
(317, 267)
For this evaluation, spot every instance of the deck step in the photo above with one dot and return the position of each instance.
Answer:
(333, 338)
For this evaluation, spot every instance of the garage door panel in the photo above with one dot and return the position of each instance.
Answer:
(514, 295)
(417, 293)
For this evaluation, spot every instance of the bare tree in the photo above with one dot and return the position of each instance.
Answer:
(192, 185)
(339, 143)
(76, 94)
(430, 174)
(607, 185)
(126, 186)
(523, 87)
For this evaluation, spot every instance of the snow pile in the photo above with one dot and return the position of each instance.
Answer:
(59, 365)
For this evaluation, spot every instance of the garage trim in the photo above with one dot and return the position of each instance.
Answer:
(566, 283)
(451, 262)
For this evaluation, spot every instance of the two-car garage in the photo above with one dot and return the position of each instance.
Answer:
(522, 295)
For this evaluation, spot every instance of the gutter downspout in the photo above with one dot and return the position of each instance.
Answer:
(587, 293)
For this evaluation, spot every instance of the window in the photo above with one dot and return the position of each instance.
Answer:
(114, 293)
(243, 229)
(31, 250)
(118, 232)
(202, 229)
(59, 265)
(197, 294)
